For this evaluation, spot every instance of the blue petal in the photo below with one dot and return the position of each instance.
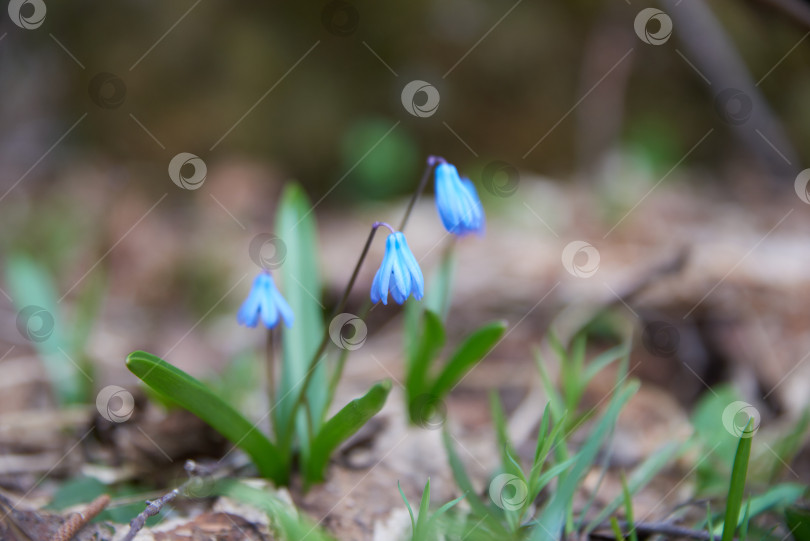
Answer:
(476, 220)
(386, 269)
(248, 313)
(447, 181)
(375, 287)
(402, 282)
(412, 266)
(283, 308)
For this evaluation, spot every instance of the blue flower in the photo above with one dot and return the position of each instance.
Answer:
(264, 301)
(399, 273)
(457, 202)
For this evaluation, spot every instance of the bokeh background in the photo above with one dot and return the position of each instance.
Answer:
(670, 136)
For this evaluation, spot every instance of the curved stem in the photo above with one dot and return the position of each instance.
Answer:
(431, 162)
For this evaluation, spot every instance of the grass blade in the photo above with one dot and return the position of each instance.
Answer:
(188, 393)
(736, 487)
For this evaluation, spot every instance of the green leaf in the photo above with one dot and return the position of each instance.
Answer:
(474, 348)
(430, 343)
(420, 533)
(628, 509)
(410, 510)
(292, 526)
(798, 522)
(35, 298)
(340, 427)
(461, 478)
(300, 276)
(736, 489)
(195, 397)
(553, 516)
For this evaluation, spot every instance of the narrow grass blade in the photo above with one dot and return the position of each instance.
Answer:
(190, 394)
(736, 487)
(344, 424)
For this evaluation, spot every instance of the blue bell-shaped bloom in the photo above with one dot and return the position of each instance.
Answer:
(264, 303)
(399, 273)
(457, 202)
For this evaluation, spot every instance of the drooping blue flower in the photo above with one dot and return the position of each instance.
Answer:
(264, 303)
(457, 202)
(399, 273)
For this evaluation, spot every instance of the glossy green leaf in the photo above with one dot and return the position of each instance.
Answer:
(471, 351)
(430, 342)
(344, 424)
(190, 394)
(301, 286)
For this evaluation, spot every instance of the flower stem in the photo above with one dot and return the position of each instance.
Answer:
(325, 339)
(431, 162)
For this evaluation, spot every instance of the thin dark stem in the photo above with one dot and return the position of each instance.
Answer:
(431, 162)
(325, 339)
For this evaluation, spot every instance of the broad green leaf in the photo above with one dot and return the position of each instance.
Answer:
(474, 348)
(38, 319)
(340, 427)
(736, 489)
(189, 393)
(554, 515)
(300, 277)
